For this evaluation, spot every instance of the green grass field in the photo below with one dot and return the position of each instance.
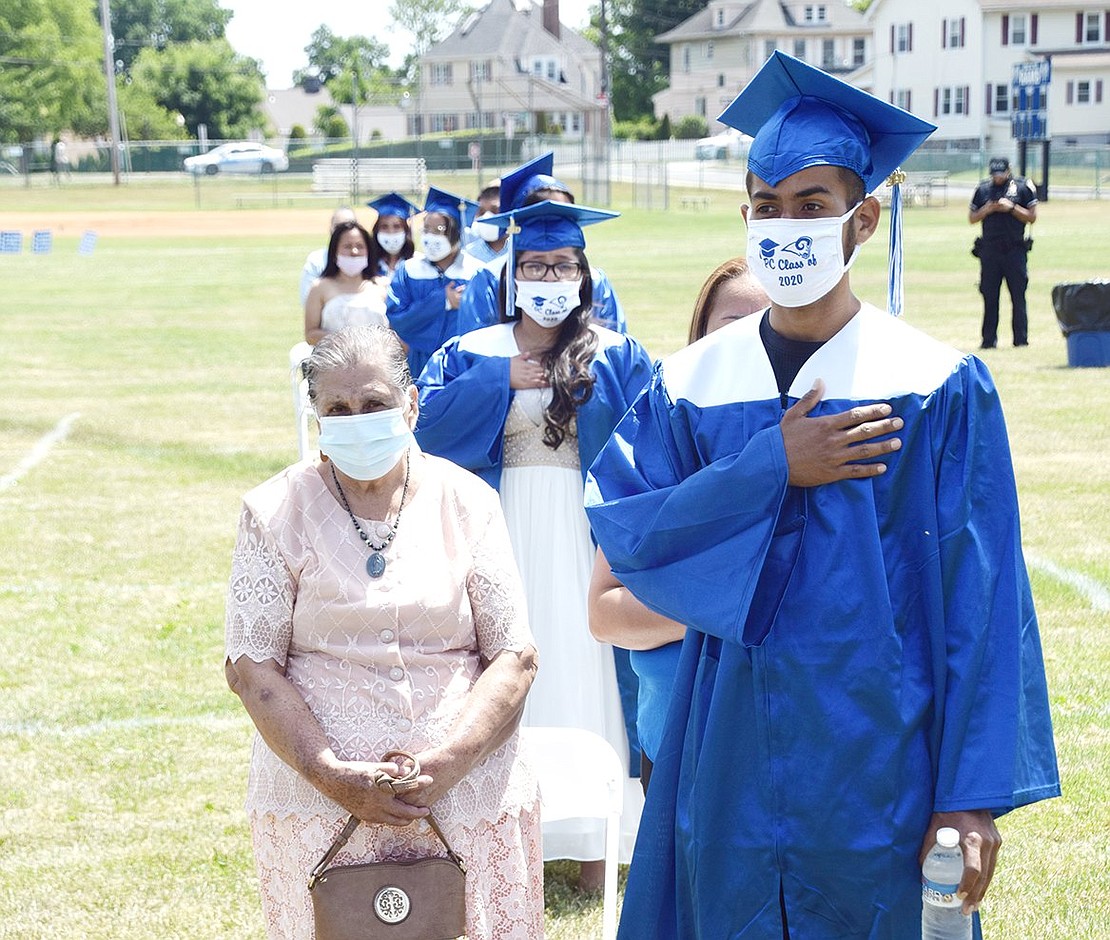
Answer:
(123, 756)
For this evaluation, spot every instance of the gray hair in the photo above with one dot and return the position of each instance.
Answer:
(355, 346)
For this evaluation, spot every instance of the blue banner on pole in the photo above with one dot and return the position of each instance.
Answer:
(1029, 82)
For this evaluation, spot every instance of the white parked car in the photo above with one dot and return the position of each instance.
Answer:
(728, 145)
(246, 157)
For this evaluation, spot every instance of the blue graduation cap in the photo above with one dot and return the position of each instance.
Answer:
(547, 225)
(799, 116)
(394, 204)
(544, 226)
(527, 178)
(459, 208)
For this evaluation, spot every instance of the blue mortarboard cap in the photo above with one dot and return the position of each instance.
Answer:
(512, 183)
(548, 225)
(394, 204)
(458, 207)
(800, 117)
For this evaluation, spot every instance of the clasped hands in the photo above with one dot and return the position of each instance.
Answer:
(825, 449)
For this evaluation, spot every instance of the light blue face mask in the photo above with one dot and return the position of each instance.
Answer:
(368, 446)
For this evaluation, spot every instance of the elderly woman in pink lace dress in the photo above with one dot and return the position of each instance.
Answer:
(375, 606)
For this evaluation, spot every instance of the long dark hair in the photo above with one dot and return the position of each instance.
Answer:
(331, 269)
(567, 363)
(378, 254)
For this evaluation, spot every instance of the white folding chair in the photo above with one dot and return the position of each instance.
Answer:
(298, 354)
(581, 777)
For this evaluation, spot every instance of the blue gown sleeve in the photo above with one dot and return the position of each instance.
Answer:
(478, 307)
(675, 529)
(607, 307)
(417, 312)
(464, 401)
(996, 748)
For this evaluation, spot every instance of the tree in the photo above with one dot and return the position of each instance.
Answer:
(428, 21)
(331, 56)
(155, 24)
(50, 67)
(206, 82)
(329, 123)
(639, 66)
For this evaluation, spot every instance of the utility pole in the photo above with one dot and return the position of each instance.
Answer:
(110, 74)
(604, 131)
(356, 91)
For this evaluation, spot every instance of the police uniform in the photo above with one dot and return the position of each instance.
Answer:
(1002, 255)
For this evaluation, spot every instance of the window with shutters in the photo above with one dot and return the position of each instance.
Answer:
(828, 53)
(859, 50)
(1001, 99)
(1018, 29)
(1083, 92)
(902, 40)
(902, 99)
(1092, 27)
(954, 33)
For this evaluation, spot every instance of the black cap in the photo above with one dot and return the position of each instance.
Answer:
(999, 165)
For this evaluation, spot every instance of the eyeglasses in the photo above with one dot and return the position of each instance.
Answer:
(537, 270)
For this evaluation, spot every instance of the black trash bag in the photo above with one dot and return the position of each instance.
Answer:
(1082, 307)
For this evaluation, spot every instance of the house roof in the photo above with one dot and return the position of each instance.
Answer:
(761, 16)
(500, 28)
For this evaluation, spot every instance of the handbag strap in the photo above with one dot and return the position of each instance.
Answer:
(352, 824)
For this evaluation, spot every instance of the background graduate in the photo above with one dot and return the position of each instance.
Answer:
(528, 185)
(862, 664)
(391, 244)
(527, 404)
(423, 300)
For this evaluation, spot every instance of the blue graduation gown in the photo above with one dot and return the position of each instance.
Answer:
(416, 305)
(479, 306)
(861, 654)
(464, 402)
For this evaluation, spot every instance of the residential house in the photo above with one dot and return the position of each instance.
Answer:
(715, 52)
(952, 61)
(513, 67)
(286, 107)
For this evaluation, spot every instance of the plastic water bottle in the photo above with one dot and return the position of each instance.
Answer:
(942, 917)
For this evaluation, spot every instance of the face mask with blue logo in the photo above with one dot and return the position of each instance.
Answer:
(549, 303)
(798, 261)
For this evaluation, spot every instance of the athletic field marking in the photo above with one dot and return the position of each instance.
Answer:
(38, 453)
(37, 728)
(1094, 591)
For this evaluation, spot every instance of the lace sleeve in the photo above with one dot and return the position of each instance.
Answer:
(260, 595)
(496, 592)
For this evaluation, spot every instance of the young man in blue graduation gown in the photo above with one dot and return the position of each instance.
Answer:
(862, 662)
(423, 301)
(525, 185)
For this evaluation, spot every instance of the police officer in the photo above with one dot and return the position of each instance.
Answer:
(1005, 204)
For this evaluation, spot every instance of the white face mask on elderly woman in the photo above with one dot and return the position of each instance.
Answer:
(798, 261)
(549, 303)
(367, 446)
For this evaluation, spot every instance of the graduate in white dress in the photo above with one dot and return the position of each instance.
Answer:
(346, 293)
(527, 404)
(424, 295)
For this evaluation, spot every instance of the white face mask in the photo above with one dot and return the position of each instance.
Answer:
(549, 303)
(351, 265)
(485, 231)
(798, 261)
(366, 447)
(436, 247)
(391, 242)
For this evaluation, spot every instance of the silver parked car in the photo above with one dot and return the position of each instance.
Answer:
(246, 157)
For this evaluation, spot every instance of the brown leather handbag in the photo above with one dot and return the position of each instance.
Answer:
(413, 899)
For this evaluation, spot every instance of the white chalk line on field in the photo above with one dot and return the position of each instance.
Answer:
(55, 729)
(39, 452)
(1095, 592)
